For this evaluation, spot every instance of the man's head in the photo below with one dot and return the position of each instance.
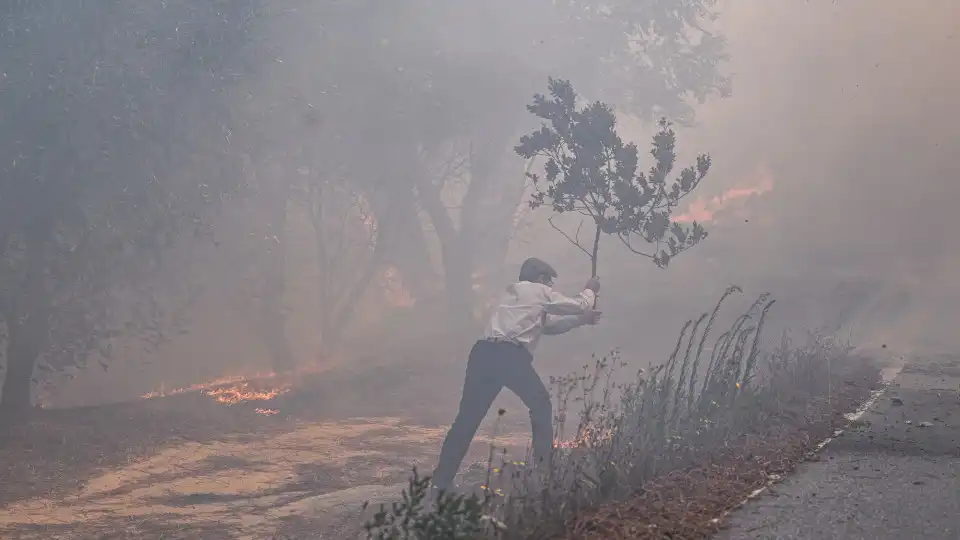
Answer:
(537, 271)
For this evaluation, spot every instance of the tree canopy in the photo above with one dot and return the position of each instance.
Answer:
(104, 110)
(446, 80)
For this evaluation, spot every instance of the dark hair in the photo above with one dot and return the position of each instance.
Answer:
(533, 269)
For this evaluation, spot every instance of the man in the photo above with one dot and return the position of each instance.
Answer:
(503, 358)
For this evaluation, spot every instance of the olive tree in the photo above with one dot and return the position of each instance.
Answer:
(104, 135)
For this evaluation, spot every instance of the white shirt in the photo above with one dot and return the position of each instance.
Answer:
(527, 310)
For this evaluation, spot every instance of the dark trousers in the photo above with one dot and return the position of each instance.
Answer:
(490, 368)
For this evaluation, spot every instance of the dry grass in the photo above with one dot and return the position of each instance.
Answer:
(686, 503)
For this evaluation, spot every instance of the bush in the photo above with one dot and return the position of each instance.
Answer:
(697, 403)
(452, 516)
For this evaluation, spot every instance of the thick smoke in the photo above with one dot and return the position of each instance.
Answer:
(851, 107)
(841, 123)
(833, 182)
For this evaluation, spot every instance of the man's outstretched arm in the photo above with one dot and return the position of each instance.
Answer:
(554, 324)
(559, 304)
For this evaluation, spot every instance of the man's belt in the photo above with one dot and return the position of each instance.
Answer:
(503, 340)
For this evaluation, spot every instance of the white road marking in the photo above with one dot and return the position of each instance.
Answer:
(887, 375)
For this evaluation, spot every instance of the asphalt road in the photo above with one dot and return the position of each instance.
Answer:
(892, 475)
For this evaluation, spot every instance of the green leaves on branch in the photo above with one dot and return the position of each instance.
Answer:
(590, 170)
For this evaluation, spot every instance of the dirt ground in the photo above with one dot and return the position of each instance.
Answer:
(240, 488)
(186, 466)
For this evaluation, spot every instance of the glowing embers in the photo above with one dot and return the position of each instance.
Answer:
(246, 390)
(234, 389)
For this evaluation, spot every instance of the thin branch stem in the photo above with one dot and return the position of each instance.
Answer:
(626, 242)
(574, 241)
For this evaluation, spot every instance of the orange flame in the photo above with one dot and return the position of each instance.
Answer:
(587, 437)
(241, 388)
(706, 210)
(230, 390)
(239, 393)
(200, 387)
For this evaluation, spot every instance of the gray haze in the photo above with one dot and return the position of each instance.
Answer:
(847, 108)
(850, 105)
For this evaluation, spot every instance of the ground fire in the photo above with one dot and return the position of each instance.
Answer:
(234, 389)
(264, 386)
(244, 391)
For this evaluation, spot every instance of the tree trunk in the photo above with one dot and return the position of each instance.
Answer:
(347, 305)
(24, 341)
(456, 257)
(408, 250)
(338, 301)
(593, 258)
(484, 234)
(498, 229)
(486, 224)
(273, 316)
(596, 251)
(458, 280)
(27, 323)
(324, 284)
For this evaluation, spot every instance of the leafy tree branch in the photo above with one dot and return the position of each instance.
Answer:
(590, 170)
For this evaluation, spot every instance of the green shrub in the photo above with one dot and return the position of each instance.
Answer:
(451, 516)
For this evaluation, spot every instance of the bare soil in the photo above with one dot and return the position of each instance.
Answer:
(185, 466)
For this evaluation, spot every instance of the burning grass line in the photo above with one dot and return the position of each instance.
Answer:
(242, 392)
(232, 389)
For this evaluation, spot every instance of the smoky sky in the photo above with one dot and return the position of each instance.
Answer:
(851, 105)
(849, 108)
